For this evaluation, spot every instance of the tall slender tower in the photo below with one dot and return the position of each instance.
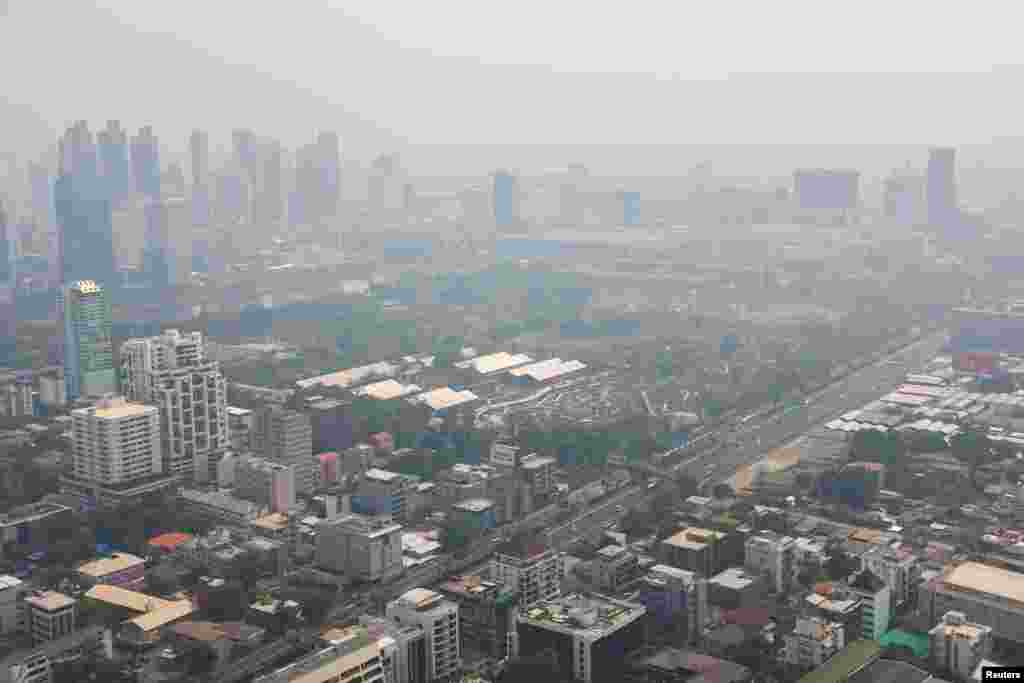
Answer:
(146, 162)
(941, 189)
(88, 346)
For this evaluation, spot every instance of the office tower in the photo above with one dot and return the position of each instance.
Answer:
(88, 347)
(304, 199)
(439, 620)
(267, 202)
(8, 319)
(591, 635)
(329, 154)
(902, 199)
(145, 158)
(243, 144)
(232, 191)
(265, 482)
(85, 244)
(113, 155)
(387, 185)
(41, 190)
(199, 151)
(630, 208)
(958, 645)
(286, 436)
(361, 547)
(487, 614)
(941, 186)
(534, 572)
(172, 181)
(173, 372)
(676, 601)
(506, 199)
(168, 243)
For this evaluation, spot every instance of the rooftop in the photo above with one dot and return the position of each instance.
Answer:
(387, 389)
(381, 475)
(105, 566)
(276, 521)
(444, 397)
(548, 369)
(420, 598)
(851, 658)
(984, 578)
(9, 582)
(694, 538)
(116, 408)
(890, 671)
(121, 597)
(588, 616)
(350, 377)
(372, 527)
(702, 668)
(610, 552)
(171, 540)
(163, 616)
(496, 362)
(49, 600)
(30, 513)
(474, 505)
(735, 578)
(469, 586)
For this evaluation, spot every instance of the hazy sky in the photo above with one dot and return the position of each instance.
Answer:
(524, 71)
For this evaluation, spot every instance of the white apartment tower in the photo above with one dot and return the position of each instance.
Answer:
(116, 442)
(439, 619)
(172, 372)
(533, 572)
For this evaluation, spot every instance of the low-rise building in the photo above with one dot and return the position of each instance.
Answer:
(53, 658)
(32, 527)
(361, 547)
(354, 657)
(119, 569)
(381, 492)
(984, 593)
(813, 642)
(670, 665)
(12, 592)
(613, 567)
(958, 646)
(735, 588)
(219, 506)
(268, 483)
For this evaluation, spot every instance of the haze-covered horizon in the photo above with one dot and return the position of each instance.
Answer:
(289, 72)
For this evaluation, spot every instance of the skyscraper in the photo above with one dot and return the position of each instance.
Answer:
(168, 241)
(941, 186)
(113, 156)
(145, 153)
(172, 372)
(329, 153)
(199, 149)
(243, 143)
(8, 314)
(267, 202)
(42, 209)
(85, 245)
(506, 199)
(88, 347)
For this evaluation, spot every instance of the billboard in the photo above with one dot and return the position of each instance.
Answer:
(827, 188)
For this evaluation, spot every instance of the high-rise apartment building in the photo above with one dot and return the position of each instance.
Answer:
(113, 156)
(534, 572)
(439, 619)
(199, 151)
(676, 601)
(941, 186)
(145, 161)
(167, 243)
(268, 209)
(353, 656)
(329, 153)
(172, 372)
(506, 199)
(116, 453)
(770, 555)
(286, 436)
(88, 346)
(361, 547)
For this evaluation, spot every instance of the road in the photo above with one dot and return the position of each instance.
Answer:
(757, 436)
